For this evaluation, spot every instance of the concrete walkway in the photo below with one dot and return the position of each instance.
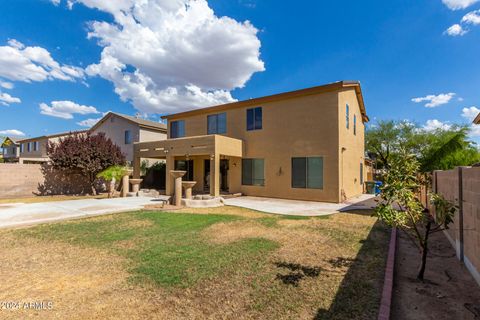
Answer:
(19, 214)
(301, 208)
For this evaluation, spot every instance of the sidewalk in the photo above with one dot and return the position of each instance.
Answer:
(19, 214)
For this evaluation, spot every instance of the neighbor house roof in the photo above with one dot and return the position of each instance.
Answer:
(13, 140)
(55, 135)
(477, 119)
(147, 124)
(332, 87)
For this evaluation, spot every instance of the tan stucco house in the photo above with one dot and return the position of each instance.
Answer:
(306, 145)
(126, 130)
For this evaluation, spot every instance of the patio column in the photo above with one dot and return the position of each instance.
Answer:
(170, 165)
(215, 175)
(136, 167)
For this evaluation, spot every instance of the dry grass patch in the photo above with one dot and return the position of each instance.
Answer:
(224, 263)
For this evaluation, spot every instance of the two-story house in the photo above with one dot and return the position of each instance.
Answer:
(126, 130)
(11, 149)
(122, 129)
(306, 144)
(34, 150)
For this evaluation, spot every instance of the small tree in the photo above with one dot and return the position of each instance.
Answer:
(85, 154)
(112, 175)
(400, 206)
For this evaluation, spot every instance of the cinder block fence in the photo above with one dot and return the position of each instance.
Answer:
(462, 186)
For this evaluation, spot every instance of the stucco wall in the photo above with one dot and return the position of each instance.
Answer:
(19, 180)
(354, 144)
(115, 130)
(26, 180)
(447, 184)
(299, 127)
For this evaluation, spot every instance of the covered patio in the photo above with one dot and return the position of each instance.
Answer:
(213, 161)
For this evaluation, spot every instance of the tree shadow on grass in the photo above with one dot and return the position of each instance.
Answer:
(359, 294)
(296, 273)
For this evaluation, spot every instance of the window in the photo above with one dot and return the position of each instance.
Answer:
(177, 129)
(35, 146)
(29, 146)
(128, 137)
(361, 173)
(347, 115)
(307, 173)
(355, 124)
(253, 172)
(254, 119)
(217, 123)
(22, 146)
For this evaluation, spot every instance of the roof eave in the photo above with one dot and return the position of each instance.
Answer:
(280, 96)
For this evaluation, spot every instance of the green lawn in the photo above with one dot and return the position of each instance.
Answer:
(200, 263)
(170, 250)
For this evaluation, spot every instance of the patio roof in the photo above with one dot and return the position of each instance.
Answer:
(191, 146)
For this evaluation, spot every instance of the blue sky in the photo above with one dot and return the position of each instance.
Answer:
(416, 60)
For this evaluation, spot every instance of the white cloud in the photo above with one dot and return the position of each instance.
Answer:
(459, 4)
(435, 100)
(55, 2)
(21, 63)
(6, 85)
(470, 113)
(6, 99)
(65, 109)
(432, 125)
(12, 132)
(172, 55)
(456, 30)
(472, 18)
(88, 122)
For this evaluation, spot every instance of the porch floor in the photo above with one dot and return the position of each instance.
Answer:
(301, 208)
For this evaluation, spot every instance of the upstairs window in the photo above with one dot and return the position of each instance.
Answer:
(177, 129)
(128, 137)
(35, 146)
(355, 124)
(253, 172)
(254, 119)
(22, 147)
(347, 116)
(29, 146)
(307, 173)
(217, 123)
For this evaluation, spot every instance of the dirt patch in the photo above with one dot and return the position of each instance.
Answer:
(450, 292)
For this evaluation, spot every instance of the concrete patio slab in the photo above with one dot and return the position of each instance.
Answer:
(301, 208)
(19, 214)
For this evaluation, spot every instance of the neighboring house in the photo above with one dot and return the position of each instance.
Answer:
(11, 149)
(34, 150)
(306, 145)
(125, 130)
(477, 119)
